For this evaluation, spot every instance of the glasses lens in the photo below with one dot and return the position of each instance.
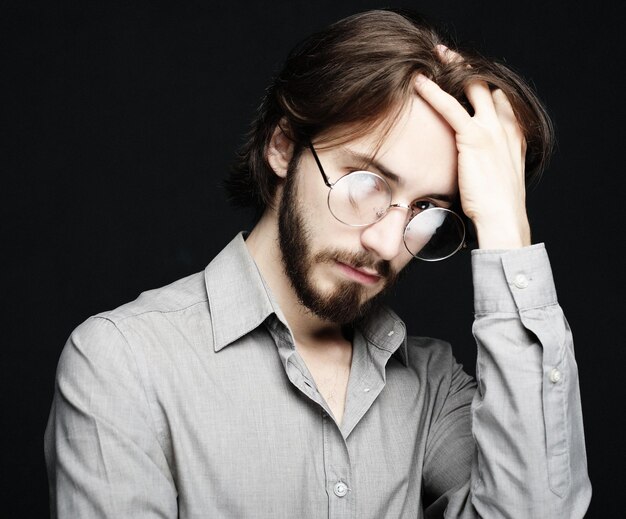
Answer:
(359, 198)
(434, 234)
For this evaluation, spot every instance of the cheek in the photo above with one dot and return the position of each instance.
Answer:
(323, 226)
(311, 195)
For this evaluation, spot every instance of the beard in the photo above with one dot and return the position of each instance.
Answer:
(347, 301)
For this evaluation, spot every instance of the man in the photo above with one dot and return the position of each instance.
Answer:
(274, 384)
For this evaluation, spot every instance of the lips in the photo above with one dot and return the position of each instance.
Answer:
(363, 275)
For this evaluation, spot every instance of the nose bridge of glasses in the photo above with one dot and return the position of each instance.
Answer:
(408, 215)
(400, 205)
(387, 232)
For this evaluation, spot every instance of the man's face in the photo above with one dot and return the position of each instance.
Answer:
(337, 270)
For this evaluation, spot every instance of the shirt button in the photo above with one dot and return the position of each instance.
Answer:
(341, 489)
(555, 376)
(520, 281)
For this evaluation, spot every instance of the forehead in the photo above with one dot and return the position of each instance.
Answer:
(418, 146)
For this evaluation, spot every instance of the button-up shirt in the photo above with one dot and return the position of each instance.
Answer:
(193, 402)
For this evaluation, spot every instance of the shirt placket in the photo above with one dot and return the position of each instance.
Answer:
(338, 470)
(367, 380)
(336, 458)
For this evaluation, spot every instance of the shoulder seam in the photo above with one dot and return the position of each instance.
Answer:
(109, 316)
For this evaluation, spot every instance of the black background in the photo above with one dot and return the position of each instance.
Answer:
(118, 124)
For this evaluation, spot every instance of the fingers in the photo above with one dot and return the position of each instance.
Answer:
(503, 107)
(491, 107)
(477, 91)
(446, 105)
(479, 95)
(509, 123)
(447, 55)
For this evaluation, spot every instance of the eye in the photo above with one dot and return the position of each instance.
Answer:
(362, 184)
(366, 179)
(421, 205)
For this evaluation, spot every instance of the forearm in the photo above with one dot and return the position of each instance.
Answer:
(527, 420)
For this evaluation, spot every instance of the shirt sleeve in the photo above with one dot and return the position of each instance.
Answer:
(526, 419)
(102, 451)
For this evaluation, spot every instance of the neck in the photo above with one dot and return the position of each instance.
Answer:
(263, 245)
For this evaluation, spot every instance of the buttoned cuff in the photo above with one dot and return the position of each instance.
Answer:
(512, 280)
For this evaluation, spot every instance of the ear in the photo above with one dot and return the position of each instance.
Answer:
(279, 150)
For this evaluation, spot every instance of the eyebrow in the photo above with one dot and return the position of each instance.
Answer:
(367, 161)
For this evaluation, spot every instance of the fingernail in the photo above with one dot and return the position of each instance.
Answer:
(420, 79)
(441, 49)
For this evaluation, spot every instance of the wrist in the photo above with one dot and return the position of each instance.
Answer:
(503, 234)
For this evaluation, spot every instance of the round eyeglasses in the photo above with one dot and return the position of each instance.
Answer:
(362, 198)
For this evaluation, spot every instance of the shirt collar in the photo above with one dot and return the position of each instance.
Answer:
(386, 331)
(240, 301)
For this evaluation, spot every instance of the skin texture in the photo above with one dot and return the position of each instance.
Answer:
(420, 150)
(346, 301)
(434, 147)
(491, 156)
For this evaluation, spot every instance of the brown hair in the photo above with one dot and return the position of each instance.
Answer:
(357, 73)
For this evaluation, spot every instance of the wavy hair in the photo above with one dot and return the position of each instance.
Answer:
(357, 73)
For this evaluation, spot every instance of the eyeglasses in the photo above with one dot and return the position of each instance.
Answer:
(362, 198)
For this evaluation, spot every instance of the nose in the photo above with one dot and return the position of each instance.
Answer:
(386, 237)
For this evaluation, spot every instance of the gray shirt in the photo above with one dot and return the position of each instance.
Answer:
(193, 402)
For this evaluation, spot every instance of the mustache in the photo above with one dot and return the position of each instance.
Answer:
(358, 260)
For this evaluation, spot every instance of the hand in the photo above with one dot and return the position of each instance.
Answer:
(492, 150)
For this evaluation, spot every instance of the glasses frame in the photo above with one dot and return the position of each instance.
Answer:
(382, 214)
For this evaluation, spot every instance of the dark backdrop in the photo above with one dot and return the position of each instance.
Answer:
(118, 127)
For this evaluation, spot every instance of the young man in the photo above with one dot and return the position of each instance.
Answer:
(274, 384)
